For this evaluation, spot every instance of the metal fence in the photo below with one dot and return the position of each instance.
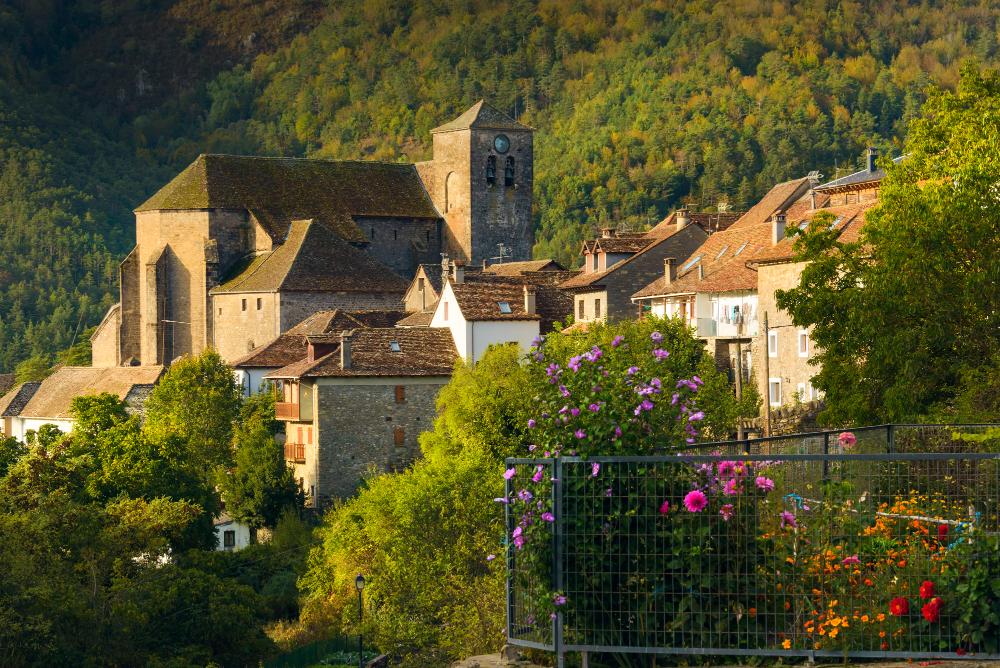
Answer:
(871, 543)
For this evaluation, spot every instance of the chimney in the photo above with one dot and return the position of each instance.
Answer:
(445, 266)
(484, 264)
(529, 299)
(701, 272)
(670, 269)
(682, 218)
(607, 232)
(345, 349)
(812, 199)
(777, 228)
(458, 273)
(872, 157)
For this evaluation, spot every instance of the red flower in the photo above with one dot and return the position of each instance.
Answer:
(927, 589)
(942, 531)
(899, 606)
(932, 611)
(960, 651)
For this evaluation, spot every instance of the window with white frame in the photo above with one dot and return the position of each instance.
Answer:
(774, 391)
(803, 343)
(800, 389)
(772, 344)
(813, 393)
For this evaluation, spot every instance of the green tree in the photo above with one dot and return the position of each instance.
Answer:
(33, 369)
(910, 311)
(197, 400)
(261, 486)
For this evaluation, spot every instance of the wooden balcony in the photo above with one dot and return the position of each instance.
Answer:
(295, 452)
(286, 411)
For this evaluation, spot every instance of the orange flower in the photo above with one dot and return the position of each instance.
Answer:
(881, 634)
(868, 582)
(752, 612)
(864, 618)
(787, 644)
(788, 606)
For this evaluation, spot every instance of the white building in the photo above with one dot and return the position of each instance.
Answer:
(230, 535)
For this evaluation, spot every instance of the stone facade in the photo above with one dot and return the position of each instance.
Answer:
(358, 422)
(402, 243)
(105, 344)
(788, 359)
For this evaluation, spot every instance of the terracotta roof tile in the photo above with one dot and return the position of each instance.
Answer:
(620, 244)
(313, 259)
(708, 221)
(423, 351)
(518, 268)
(56, 393)
(849, 219)
(289, 347)
(418, 319)
(481, 300)
(779, 198)
(279, 190)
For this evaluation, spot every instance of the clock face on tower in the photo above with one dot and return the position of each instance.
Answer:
(501, 143)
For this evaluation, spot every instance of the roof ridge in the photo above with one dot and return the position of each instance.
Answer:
(357, 161)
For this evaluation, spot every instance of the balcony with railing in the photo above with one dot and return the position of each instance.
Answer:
(286, 411)
(295, 452)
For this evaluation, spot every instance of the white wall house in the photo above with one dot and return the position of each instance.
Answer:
(483, 314)
(230, 535)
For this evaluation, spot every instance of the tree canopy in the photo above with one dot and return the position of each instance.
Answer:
(907, 319)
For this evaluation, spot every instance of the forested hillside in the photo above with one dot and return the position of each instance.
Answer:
(639, 105)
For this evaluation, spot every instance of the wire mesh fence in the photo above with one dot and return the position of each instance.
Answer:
(879, 542)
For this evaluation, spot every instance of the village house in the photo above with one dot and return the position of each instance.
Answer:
(357, 400)
(615, 265)
(789, 349)
(28, 407)
(237, 249)
(714, 290)
(281, 351)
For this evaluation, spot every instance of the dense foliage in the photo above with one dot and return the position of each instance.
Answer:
(107, 543)
(907, 319)
(424, 538)
(638, 105)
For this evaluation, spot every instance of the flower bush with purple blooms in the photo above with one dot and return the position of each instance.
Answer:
(640, 391)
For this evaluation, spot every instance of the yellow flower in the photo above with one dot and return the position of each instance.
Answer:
(864, 618)
(787, 644)
(881, 617)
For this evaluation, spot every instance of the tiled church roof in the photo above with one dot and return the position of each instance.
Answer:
(482, 116)
(278, 190)
(56, 393)
(313, 259)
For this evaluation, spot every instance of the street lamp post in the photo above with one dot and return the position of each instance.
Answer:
(359, 584)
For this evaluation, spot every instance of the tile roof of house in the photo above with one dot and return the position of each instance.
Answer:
(6, 383)
(56, 393)
(708, 221)
(584, 280)
(518, 268)
(12, 403)
(849, 219)
(629, 244)
(423, 351)
(289, 347)
(312, 259)
(724, 256)
(279, 190)
(418, 319)
(482, 116)
(777, 199)
(857, 178)
(480, 300)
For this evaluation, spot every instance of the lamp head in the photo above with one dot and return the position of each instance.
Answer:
(359, 582)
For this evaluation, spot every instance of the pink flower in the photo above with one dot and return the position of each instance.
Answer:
(764, 483)
(656, 337)
(490, 557)
(539, 474)
(727, 512)
(617, 341)
(788, 520)
(853, 559)
(697, 415)
(660, 354)
(595, 468)
(730, 487)
(695, 501)
(664, 507)
(579, 433)
(518, 536)
(847, 439)
(510, 473)
(548, 517)
(559, 599)
(531, 424)
(726, 468)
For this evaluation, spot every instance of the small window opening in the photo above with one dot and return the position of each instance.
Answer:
(229, 539)
(243, 304)
(394, 346)
(597, 308)
(400, 394)
(579, 310)
(491, 170)
(508, 171)
(395, 235)
(260, 303)
(373, 233)
(504, 307)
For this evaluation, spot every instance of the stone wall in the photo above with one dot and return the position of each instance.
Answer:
(244, 321)
(129, 339)
(358, 419)
(297, 306)
(104, 344)
(402, 243)
(502, 213)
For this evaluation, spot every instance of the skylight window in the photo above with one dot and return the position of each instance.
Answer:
(504, 307)
(740, 249)
(394, 347)
(692, 262)
(836, 222)
(722, 252)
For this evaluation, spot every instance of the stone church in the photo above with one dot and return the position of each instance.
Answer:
(236, 249)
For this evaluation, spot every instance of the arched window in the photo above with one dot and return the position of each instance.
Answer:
(508, 171)
(450, 192)
(491, 170)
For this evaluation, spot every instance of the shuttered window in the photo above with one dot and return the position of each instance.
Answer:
(400, 394)
(398, 436)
